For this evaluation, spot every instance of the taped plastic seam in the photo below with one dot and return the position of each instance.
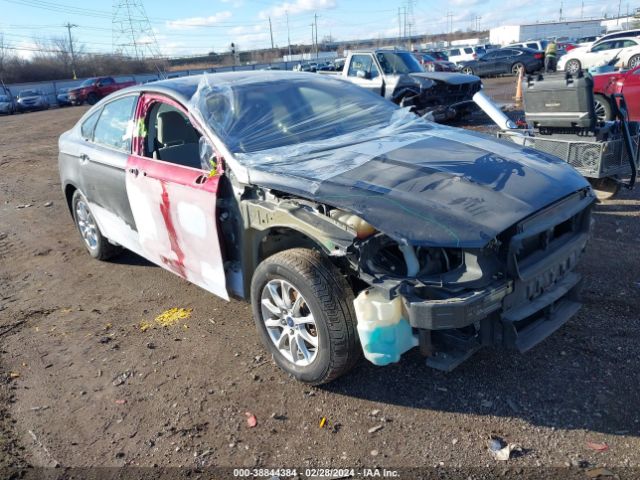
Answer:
(305, 127)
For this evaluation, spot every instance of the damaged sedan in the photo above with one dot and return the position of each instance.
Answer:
(352, 225)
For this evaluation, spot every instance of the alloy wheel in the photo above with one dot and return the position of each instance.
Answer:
(289, 322)
(87, 224)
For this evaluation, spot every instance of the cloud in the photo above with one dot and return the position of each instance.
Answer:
(195, 22)
(299, 6)
(467, 3)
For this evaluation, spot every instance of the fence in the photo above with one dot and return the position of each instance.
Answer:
(51, 88)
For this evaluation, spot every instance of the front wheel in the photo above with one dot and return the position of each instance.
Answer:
(467, 70)
(97, 244)
(303, 309)
(92, 99)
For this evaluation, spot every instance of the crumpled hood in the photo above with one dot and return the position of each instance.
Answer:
(449, 187)
(451, 78)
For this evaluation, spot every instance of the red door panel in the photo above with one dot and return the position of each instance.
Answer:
(174, 208)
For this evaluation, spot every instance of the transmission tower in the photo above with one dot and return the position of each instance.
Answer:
(132, 35)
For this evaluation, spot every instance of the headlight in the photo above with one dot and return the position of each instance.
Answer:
(382, 255)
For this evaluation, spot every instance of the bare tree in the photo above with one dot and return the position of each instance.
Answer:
(5, 51)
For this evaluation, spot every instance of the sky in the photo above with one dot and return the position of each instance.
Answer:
(192, 27)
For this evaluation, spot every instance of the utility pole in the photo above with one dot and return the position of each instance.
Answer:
(619, 5)
(288, 35)
(69, 26)
(405, 22)
(271, 32)
(399, 26)
(312, 41)
(315, 20)
(560, 19)
(582, 9)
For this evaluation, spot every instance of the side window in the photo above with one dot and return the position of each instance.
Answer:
(115, 125)
(629, 44)
(86, 130)
(468, 50)
(171, 138)
(532, 45)
(360, 62)
(107, 81)
(603, 46)
(454, 53)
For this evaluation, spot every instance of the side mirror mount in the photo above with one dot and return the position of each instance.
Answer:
(363, 74)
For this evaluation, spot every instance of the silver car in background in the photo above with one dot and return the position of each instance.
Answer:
(7, 105)
(29, 100)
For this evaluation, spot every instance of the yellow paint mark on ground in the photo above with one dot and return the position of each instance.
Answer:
(172, 316)
(167, 318)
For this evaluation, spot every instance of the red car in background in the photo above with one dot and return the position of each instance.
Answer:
(94, 89)
(432, 64)
(626, 82)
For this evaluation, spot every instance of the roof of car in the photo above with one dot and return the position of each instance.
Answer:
(183, 88)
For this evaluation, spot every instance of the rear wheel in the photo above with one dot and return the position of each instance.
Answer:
(602, 108)
(573, 66)
(96, 244)
(467, 70)
(634, 61)
(516, 67)
(303, 309)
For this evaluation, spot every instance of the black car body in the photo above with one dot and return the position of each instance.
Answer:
(506, 60)
(324, 204)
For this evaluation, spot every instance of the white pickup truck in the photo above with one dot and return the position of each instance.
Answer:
(398, 76)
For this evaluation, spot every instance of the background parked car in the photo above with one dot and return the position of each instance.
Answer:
(540, 45)
(625, 82)
(438, 55)
(616, 35)
(29, 100)
(63, 97)
(463, 54)
(505, 61)
(7, 104)
(585, 41)
(432, 64)
(626, 49)
(93, 89)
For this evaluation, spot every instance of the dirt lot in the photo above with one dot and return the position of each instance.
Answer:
(82, 385)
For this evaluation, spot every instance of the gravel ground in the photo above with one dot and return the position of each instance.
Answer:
(82, 385)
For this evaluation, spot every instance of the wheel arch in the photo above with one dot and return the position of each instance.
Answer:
(69, 190)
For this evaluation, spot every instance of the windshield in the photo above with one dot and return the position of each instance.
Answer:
(398, 62)
(256, 115)
(88, 82)
(28, 93)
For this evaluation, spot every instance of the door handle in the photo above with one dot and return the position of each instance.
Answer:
(134, 171)
(84, 158)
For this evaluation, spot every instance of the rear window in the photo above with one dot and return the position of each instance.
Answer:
(468, 50)
(454, 52)
(532, 45)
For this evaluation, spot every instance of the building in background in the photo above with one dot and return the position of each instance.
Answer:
(507, 34)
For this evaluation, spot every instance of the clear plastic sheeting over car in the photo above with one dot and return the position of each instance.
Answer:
(305, 127)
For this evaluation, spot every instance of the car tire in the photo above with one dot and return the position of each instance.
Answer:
(324, 299)
(515, 68)
(468, 71)
(573, 66)
(634, 62)
(605, 188)
(92, 99)
(602, 107)
(96, 244)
